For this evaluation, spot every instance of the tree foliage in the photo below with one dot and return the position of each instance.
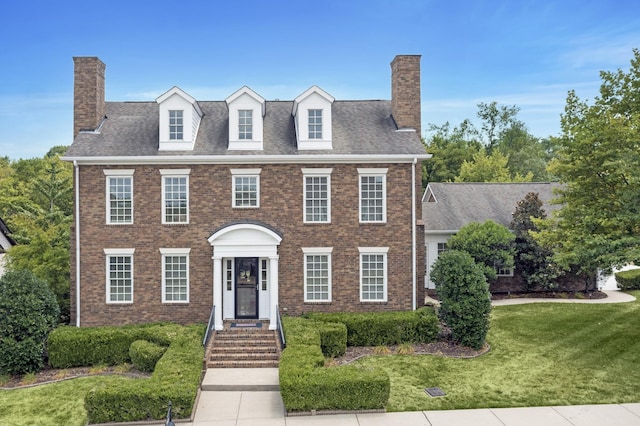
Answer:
(488, 243)
(489, 168)
(532, 260)
(28, 311)
(465, 301)
(36, 202)
(598, 159)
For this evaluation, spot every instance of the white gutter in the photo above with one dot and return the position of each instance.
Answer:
(413, 231)
(246, 159)
(77, 213)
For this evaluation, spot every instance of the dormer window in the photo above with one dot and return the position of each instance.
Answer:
(312, 118)
(180, 117)
(245, 124)
(246, 112)
(315, 124)
(175, 125)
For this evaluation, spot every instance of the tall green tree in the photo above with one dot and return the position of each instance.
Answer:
(598, 160)
(532, 260)
(489, 168)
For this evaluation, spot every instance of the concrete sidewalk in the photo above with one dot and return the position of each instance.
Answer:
(613, 296)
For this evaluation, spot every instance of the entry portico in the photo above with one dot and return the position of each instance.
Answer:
(245, 272)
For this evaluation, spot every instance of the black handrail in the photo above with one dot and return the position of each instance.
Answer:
(209, 327)
(280, 330)
(169, 420)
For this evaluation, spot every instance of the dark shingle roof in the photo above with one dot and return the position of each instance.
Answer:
(457, 204)
(4, 229)
(359, 128)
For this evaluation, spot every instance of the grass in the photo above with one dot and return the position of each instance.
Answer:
(541, 354)
(55, 404)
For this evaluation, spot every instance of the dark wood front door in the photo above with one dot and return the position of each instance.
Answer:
(246, 287)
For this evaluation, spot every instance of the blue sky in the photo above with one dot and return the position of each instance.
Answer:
(524, 53)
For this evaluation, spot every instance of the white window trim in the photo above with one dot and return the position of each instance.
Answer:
(109, 173)
(118, 252)
(174, 173)
(246, 173)
(308, 172)
(325, 251)
(175, 252)
(375, 250)
(368, 172)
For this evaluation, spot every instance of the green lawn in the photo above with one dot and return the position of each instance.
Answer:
(541, 354)
(59, 403)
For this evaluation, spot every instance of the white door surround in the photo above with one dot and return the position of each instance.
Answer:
(248, 239)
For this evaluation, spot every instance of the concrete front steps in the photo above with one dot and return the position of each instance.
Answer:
(243, 345)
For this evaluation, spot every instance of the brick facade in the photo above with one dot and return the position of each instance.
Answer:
(281, 207)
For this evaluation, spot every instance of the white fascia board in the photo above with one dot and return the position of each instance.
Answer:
(246, 90)
(250, 159)
(175, 90)
(307, 93)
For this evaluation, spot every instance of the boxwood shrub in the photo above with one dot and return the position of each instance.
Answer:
(176, 376)
(628, 280)
(305, 384)
(144, 355)
(385, 328)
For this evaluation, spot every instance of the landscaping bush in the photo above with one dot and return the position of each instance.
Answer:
(385, 328)
(305, 384)
(28, 312)
(628, 280)
(144, 355)
(333, 339)
(465, 301)
(75, 347)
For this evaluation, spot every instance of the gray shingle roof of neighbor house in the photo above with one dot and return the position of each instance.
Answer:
(363, 128)
(450, 206)
(6, 233)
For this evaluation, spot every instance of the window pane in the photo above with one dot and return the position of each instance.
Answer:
(175, 199)
(120, 279)
(245, 191)
(317, 277)
(373, 276)
(176, 278)
(316, 199)
(372, 200)
(120, 200)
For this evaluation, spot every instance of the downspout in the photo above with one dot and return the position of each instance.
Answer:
(77, 213)
(413, 232)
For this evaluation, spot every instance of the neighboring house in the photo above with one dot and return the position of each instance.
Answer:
(6, 242)
(447, 207)
(246, 205)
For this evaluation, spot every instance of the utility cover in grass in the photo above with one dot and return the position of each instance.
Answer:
(434, 392)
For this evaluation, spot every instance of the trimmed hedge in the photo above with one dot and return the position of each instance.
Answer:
(305, 384)
(176, 377)
(76, 347)
(628, 280)
(385, 328)
(144, 355)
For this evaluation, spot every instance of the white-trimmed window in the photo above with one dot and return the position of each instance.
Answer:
(175, 195)
(317, 274)
(176, 125)
(373, 274)
(504, 272)
(175, 275)
(442, 247)
(119, 267)
(373, 195)
(119, 196)
(245, 124)
(315, 124)
(246, 188)
(317, 195)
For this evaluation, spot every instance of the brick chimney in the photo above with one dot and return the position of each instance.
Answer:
(88, 93)
(405, 92)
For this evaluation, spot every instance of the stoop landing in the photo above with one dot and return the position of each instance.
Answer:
(241, 379)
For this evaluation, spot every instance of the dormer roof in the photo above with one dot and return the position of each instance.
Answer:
(179, 120)
(310, 91)
(246, 90)
(175, 90)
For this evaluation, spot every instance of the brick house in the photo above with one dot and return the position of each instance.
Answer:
(246, 205)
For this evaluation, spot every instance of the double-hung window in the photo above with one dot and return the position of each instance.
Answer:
(317, 195)
(373, 195)
(315, 124)
(119, 267)
(246, 188)
(175, 275)
(119, 196)
(176, 125)
(317, 274)
(373, 274)
(245, 124)
(175, 195)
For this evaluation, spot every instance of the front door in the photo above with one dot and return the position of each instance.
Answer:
(246, 287)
